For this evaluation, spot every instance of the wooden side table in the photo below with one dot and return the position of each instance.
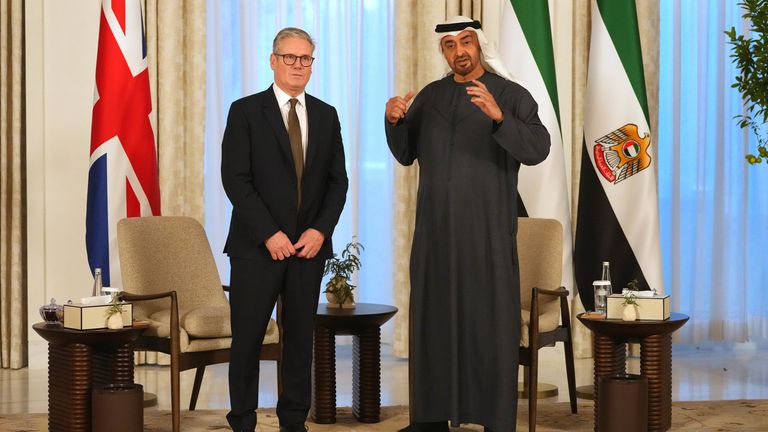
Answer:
(364, 323)
(655, 338)
(79, 360)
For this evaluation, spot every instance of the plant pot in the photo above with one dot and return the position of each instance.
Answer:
(334, 302)
(115, 321)
(629, 313)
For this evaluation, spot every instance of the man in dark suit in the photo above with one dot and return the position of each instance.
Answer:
(282, 167)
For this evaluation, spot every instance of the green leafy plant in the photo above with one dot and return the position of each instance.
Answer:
(629, 298)
(750, 55)
(633, 285)
(342, 270)
(115, 307)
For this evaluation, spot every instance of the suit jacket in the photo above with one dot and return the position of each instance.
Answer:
(259, 177)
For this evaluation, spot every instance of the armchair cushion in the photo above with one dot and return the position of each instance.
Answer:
(203, 323)
(207, 322)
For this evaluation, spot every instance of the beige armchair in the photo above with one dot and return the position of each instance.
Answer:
(170, 275)
(544, 303)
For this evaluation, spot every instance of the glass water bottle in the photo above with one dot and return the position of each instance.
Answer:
(606, 275)
(96, 282)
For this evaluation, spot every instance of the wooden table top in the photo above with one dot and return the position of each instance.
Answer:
(362, 315)
(632, 330)
(58, 334)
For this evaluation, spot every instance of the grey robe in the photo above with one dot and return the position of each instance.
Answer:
(465, 287)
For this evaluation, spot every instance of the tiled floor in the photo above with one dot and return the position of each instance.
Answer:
(704, 373)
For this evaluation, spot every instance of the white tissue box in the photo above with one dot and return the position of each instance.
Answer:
(92, 317)
(648, 308)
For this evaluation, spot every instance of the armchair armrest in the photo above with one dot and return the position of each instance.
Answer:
(174, 330)
(124, 295)
(560, 292)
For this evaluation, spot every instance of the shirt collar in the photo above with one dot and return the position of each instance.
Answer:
(283, 97)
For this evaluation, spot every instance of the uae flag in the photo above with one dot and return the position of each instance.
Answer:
(618, 217)
(525, 48)
(122, 177)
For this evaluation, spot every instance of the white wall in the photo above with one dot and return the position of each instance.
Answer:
(61, 63)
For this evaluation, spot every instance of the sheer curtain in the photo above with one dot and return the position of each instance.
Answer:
(352, 71)
(714, 207)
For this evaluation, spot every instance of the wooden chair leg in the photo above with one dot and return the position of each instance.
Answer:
(533, 344)
(175, 367)
(175, 397)
(196, 387)
(570, 373)
(533, 389)
(279, 377)
(526, 377)
(568, 345)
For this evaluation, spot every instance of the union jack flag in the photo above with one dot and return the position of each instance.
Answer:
(122, 178)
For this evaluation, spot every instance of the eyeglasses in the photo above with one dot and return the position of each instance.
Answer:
(290, 59)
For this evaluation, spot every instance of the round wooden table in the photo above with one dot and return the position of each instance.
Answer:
(655, 338)
(363, 322)
(79, 360)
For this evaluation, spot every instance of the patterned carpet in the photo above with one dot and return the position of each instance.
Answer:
(743, 415)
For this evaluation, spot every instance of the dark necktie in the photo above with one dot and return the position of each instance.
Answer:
(297, 150)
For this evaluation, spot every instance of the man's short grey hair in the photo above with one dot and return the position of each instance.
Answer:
(291, 32)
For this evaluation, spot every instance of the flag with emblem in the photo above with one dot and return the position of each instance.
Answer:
(122, 176)
(525, 47)
(618, 217)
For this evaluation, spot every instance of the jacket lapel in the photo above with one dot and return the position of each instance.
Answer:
(272, 112)
(314, 125)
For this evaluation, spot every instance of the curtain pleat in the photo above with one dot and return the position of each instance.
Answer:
(13, 228)
(176, 54)
(713, 206)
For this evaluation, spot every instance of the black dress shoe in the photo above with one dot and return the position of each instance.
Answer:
(294, 428)
(426, 427)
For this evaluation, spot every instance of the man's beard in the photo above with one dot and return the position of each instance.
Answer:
(468, 67)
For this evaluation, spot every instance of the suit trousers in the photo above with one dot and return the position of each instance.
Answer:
(254, 288)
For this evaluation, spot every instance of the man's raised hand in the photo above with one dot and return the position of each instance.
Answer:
(397, 107)
(481, 97)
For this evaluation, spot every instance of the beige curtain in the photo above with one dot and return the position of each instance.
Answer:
(417, 63)
(13, 208)
(176, 53)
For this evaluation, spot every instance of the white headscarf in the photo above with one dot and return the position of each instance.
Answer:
(488, 56)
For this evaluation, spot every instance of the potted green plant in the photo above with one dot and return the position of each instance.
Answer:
(750, 55)
(629, 313)
(115, 314)
(338, 290)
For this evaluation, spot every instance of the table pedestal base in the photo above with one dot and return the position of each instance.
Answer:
(73, 371)
(366, 377)
(364, 324)
(324, 377)
(656, 365)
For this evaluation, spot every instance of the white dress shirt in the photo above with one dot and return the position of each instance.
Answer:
(284, 102)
